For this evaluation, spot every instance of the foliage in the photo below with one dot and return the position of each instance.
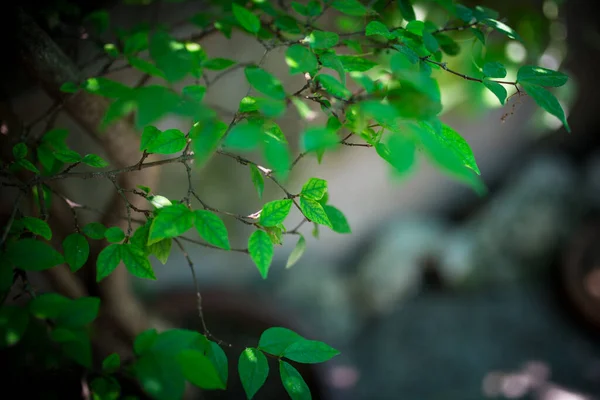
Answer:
(377, 88)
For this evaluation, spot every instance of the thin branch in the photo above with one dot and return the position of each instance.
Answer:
(211, 246)
(11, 219)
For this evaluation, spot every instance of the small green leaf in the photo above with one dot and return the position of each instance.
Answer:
(94, 160)
(67, 156)
(303, 109)
(161, 250)
(106, 388)
(167, 142)
(94, 230)
(99, 19)
(275, 212)
(76, 250)
(459, 146)
(314, 189)
(244, 136)
(144, 341)
(356, 63)
(319, 139)
(333, 86)
(13, 325)
(314, 211)
(212, 229)
(171, 221)
(37, 227)
(20, 150)
(206, 136)
(69, 87)
(377, 28)
(541, 76)
(48, 305)
(406, 9)
(338, 220)
(247, 19)
(33, 255)
(547, 101)
(26, 164)
(322, 39)
(218, 358)
(160, 376)
(293, 382)
(494, 70)
(114, 234)
(350, 7)
(300, 60)
(331, 60)
(276, 339)
(218, 64)
(159, 201)
(195, 92)
(261, 251)
(502, 27)
(136, 262)
(111, 50)
(253, 369)
(310, 352)
(297, 252)
(264, 82)
(107, 261)
(199, 370)
(257, 180)
(79, 312)
(496, 88)
(75, 344)
(111, 363)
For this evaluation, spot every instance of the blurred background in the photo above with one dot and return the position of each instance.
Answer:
(437, 293)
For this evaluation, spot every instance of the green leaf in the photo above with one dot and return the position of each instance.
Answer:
(212, 229)
(167, 142)
(160, 375)
(496, 88)
(114, 234)
(350, 7)
(247, 19)
(69, 87)
(541, 76)
(257, 180)
(106, 88)
(377, 28)
(314, 8)
(319, 139)
(399, 152)
(275, 212)
(144, 341)
(111, 50)
(145, 66)
(314, 189)
(172, 341)
(494, 70)
(268, 107)
(322, 39)
(331, 60)
(67, 156)
(170, 56)
(106, 388)
(170, 222)
(448, 45)
(159, 201)
(406, 9)
(111, 363)
(107, 261)
(161, 249)
(314, 211)
(300, 60)
(297, 252)
(356, 63)
(99, 19)
(26, 164)
(79, 312)
(76, 250)
(13, 324)
(94, 161)
(218, 64)
(338, 220)
(206, 136)
(48, 305)
(33, 255)
(136, 262)
(198, 369)
(264, 82)
(333, 86)
(218, 358)
(459, 146)
(276, 339)
(253, 369)
(20, 150)
(75, 344)
(502, 27)
(293, 382)
(195, 92)
(244, 136)
(261, 251)
(94, 230)
(310, 352)
(37, 227)
(547, 101)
